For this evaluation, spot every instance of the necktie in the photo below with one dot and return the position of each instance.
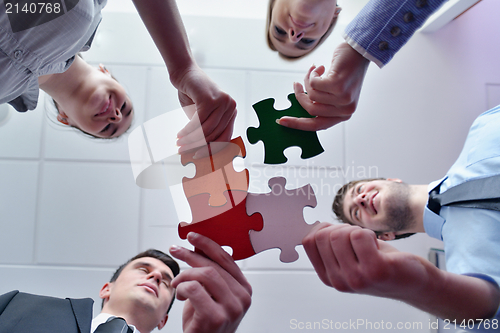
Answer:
(114, 325)
(481, 193)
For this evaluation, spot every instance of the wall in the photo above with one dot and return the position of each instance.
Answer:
(70, 211)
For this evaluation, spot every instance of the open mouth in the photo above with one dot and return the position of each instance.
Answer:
(105, 108)
(372, 204)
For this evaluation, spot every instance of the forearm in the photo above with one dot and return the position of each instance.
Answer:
(382, 27)
(164, 23)
(454, 297)
(350, 259)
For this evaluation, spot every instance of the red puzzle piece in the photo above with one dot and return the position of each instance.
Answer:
(229, 228)
(215, 173)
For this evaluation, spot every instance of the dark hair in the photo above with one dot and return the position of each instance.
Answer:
(284, 56)
(338, 203)
(151, 253)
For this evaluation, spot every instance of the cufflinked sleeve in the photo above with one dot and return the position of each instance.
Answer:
(382, 27)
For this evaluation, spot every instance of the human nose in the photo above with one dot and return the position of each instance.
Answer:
(156, 276)
(116, 116)
(360, 199)
(295, 34)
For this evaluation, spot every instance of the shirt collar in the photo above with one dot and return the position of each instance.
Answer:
(433, 223)
(102, 318)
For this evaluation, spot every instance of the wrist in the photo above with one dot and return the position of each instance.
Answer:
(179, 72)
(360, 50)
(356, 54)
(349, 56)
(420, 281)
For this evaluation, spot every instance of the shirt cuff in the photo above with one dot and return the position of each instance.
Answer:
(361, 50)
(491, 280)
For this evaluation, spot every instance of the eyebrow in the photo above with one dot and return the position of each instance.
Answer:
(305, 48)
(279, 39)
(113, 133)
(104, 131)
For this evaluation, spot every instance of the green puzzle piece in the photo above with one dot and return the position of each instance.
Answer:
(277, 138)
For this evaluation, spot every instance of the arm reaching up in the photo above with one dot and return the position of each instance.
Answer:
(216, 110)
(216, 292)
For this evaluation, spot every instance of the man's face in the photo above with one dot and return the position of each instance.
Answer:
(379, 205)
(144, 285)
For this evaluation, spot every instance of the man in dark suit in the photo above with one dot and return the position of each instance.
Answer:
(20, 312)
(141, 292)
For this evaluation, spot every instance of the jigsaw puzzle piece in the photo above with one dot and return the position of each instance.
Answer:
(200, 211)
(215, 173)
(229, 228)
(151, 144)
(282, 211)
(277, 138)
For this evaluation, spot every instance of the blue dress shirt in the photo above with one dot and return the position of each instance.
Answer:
(471, 235)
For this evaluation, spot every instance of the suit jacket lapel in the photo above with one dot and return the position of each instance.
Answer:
(82, 309)
(6, 298)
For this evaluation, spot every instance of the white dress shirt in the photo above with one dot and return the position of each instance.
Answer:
(102, 318)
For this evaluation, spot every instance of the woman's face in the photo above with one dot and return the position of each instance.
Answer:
(101, 107)
(297, 25)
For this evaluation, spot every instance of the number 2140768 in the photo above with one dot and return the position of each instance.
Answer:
(33, 8)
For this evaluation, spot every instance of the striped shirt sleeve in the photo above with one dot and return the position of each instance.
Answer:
(382, 27)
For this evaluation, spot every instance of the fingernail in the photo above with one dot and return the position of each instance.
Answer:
(192, 235)
(174, 248)
(278, 121)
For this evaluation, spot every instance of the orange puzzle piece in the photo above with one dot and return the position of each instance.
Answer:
(201, 211)
(215, 173)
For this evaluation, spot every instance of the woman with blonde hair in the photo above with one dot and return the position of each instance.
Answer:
(296, 27)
